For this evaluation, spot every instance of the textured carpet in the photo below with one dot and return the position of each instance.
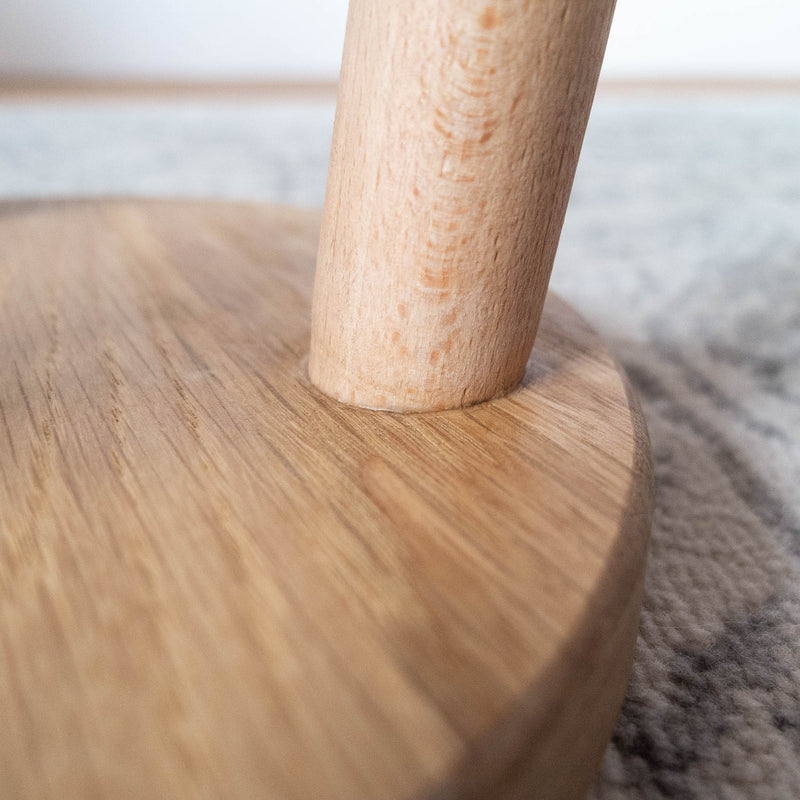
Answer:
(682, 245)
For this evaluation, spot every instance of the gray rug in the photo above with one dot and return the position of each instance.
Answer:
(682, 245)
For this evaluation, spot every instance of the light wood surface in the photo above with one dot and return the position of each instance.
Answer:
(216, 581)
(82, 90)
(43, 89)
(458, 128)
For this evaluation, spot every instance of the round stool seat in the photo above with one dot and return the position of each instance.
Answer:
(219, 582)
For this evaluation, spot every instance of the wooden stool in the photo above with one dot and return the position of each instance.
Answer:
(217, 578)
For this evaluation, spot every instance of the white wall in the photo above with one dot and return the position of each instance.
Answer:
(258, 39)
(706, 38)
(215, 39)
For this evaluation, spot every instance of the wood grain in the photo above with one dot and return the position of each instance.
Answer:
(216, 581)
(458, 128)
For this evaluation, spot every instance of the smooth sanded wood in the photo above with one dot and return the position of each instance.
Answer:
(458, 129)
(216, 581)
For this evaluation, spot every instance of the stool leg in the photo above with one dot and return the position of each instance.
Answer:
(458, 129)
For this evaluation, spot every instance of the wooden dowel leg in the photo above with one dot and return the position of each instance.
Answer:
(458, 129)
